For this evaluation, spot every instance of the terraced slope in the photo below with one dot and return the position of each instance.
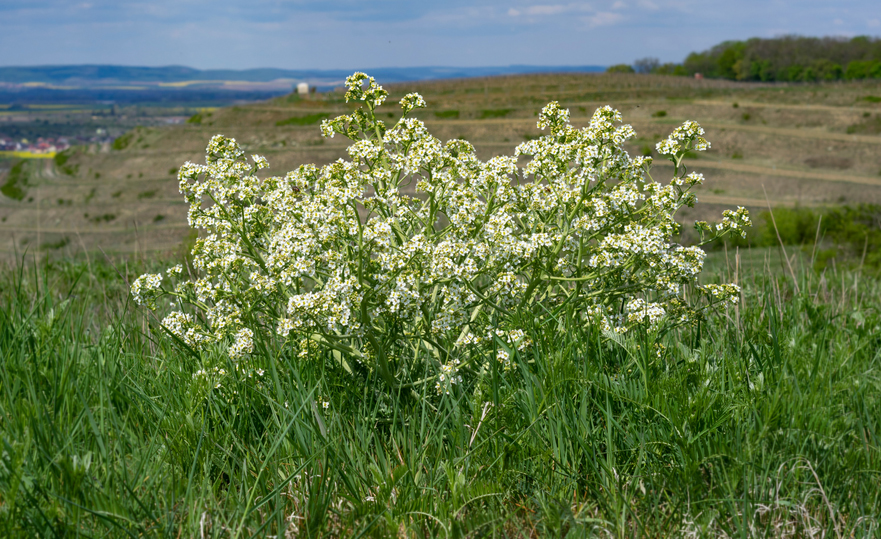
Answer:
(802, 144)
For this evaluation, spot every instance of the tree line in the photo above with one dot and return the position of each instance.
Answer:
(783, 59)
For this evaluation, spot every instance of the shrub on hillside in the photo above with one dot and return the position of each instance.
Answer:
(337, 263)
(853, 233)
(620, 68)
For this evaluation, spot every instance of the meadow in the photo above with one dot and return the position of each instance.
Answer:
(758, 420)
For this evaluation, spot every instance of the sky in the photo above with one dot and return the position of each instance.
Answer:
(359, 34)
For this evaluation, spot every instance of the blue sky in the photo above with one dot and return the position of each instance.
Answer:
(350, 34)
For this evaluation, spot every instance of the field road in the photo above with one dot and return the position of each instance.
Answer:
(815, 134)
(788, 106)
(750, 202)
(783, 172)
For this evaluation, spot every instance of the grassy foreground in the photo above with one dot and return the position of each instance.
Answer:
(762, 421)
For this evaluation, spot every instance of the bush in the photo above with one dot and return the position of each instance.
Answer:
(123, 142)
(309, 119)
(845, 233)
(494, 113)
(16, 181)
(447, 114)
(620, 68)
(62, 157)
(338, 264)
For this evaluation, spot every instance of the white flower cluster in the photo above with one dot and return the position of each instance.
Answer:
(687, 136)
(449, 375)
(212, 375)
(343, 255)
(723, 292)
(244, 344)
(181, 325)
(735, 221)
(145, 289)
(412, 101)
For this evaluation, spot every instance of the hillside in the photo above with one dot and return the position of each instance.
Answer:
(803, 144)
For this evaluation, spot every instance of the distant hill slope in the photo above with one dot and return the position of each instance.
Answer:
(797, 144)
(101, 75)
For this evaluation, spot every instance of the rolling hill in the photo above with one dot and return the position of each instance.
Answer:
(803, 144)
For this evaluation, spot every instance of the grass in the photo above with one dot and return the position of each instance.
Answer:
(870, 126)
(760, 421)
(16, 181)
(494, 113)
(309, 119)
(103, 218)
(122, 142)
(447, 114)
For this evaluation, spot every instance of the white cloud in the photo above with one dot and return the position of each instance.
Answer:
(603, 18)
(453, 32)
(548, 9)
(838, 22)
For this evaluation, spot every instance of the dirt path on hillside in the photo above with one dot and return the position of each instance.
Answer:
(577, 121)
(752, 202)
(815, 134)
(782, 172)
(789, 106)
(90, 231)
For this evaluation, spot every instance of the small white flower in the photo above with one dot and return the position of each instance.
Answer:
(244, 344)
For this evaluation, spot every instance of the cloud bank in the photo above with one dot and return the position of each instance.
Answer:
(349, 34)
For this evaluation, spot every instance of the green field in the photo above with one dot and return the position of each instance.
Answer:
(762, 422)
(762, 419)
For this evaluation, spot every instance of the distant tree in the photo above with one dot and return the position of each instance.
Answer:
(789, 58)
(861, 69)
(646, 65)
(729, 60)
(700, 62)
(620, 68)
(670, 69)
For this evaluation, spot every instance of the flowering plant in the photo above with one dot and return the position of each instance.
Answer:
(416, 256)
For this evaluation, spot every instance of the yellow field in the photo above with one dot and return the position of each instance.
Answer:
(27, 155)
